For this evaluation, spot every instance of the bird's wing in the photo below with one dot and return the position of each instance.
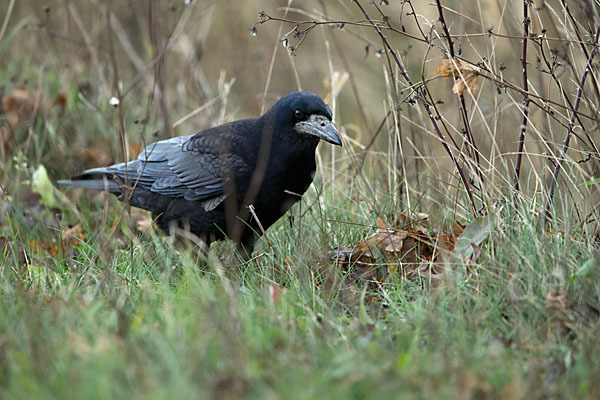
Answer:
(195, 167)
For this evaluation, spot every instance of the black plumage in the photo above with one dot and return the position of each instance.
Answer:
(206, 181)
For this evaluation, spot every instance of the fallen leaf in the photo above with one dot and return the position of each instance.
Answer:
(41, 184)
(411, 249)
(472, 237)
(71, 236)
(466, 76)
(393, 249)
(556, 300)
(6, 139)
(18, 105)
(22, 104)
(558, 303)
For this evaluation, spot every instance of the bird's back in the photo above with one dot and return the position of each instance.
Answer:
(207, 181)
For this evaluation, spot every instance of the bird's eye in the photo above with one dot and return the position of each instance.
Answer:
(298, 114)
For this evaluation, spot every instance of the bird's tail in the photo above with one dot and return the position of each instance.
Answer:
(94, 179)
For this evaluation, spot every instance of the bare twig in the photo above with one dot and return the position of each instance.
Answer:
(506, 84)
(314, 23)
(526, 22)
(582, 44)
(565, 147)
(425, 104)
(463, 107)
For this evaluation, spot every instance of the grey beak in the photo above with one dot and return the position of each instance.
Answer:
(321, 127)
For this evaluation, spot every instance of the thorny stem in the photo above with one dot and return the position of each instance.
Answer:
(501, 82)
(414, 14)
(565, 147)
(524, 119)
(489, 33)
(582, 44)
(425, 105)
(552, 71)
(463, 107)
(341, 23)
(585, 52)
(493, 77)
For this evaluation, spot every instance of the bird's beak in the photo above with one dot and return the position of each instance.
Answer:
(321, 127)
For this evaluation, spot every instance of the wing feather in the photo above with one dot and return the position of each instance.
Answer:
(195, 167)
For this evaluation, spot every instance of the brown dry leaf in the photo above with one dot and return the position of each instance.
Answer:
(388, 240)
(557, 301)
(466, 75)
(94, 153)
(358, 255)
(18, 105)
(5, 140)
(144, 224)
(37, 246)
(381, 224)
(21, 104)
(408, 250)
(71, 236)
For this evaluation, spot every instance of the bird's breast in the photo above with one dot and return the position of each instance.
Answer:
(286, 180)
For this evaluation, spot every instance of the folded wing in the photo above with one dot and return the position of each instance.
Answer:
(195, 167)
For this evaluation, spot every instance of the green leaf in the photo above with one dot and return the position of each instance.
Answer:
(588, 270)
(40, 183)
(473, 234)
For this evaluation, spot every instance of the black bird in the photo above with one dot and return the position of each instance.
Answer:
(206, 182)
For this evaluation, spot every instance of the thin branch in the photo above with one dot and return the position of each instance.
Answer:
(504, 83)
(526, 22)
(463, 107)
(339, 23)
(582, 44)
(388, 27)
(565, 147)
(403, 72)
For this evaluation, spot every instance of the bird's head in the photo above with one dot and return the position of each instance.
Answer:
(308, 115)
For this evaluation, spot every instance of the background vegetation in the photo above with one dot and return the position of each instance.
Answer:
(95, 303)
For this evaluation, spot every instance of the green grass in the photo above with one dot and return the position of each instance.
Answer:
(126, 314)
(148, 321)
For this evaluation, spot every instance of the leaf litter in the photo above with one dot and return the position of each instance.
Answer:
(21, 106)
(413, 250)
